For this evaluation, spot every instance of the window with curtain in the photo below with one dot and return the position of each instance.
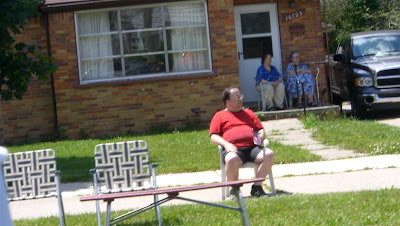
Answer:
(140, 42)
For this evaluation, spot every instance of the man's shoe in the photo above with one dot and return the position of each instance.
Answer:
(300, 105)
(257, 191)
(232, 195)
(312, 104)
(280, 108)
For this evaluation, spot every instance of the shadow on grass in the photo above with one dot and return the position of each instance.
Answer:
(165, 221)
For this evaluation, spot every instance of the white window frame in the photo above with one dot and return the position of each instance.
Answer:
(166, 52)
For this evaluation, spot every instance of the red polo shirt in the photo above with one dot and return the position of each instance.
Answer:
(236, 127)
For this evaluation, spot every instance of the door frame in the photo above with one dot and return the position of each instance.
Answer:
(275, 34)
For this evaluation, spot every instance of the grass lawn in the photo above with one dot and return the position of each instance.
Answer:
(350, 208)
(363, 136)
(192, 151)
(175, 152)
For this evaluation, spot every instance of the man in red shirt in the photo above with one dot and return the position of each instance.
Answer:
(234, 128)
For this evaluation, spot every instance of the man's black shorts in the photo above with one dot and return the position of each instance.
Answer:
(246, 154)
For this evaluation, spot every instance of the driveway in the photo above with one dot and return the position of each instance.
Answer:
(389, 117)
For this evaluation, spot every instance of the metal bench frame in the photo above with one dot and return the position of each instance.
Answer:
(173, 193)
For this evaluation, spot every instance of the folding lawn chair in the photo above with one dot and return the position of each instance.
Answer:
(33, 175)
(122, 167)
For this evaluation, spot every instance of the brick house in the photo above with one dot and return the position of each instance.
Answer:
(127, 65)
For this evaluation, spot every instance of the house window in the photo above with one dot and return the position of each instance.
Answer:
(142, 42)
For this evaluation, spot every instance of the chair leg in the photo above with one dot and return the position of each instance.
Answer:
(286, 101)
(59, 199)
(158, 211)
(271, 181)
(96, 192)
(224, 190)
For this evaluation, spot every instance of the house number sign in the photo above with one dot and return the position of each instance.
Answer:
(290, 16)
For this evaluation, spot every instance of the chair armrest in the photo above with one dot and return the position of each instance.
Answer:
(266, 143)
(154, 165)
(57, 172)
(92, 171)
(221, 154)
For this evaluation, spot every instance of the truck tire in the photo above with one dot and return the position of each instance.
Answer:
(357, 110)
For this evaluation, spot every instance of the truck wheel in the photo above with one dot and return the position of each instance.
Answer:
(357, 110)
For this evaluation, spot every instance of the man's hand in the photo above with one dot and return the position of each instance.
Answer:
(275, 83)
(230, 147)
(217, 139)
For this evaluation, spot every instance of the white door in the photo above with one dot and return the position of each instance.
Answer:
(257, 32)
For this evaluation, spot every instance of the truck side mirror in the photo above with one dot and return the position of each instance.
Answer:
(339, 57)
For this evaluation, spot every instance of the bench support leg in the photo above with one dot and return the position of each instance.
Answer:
(108, 213)
(242, 207)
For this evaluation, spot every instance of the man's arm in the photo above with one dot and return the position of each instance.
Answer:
(261, 134)
(217, 139)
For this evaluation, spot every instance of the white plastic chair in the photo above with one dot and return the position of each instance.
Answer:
(122, 167)
(225, 190)
(33, 175)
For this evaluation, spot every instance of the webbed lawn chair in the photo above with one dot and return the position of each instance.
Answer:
(33, 175)
(225, 190)
(123, 167)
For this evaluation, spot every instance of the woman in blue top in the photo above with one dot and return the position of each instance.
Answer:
(304, 76)
(269, 83)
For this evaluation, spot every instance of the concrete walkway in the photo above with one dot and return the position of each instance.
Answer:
(291, 132)
(339, 175)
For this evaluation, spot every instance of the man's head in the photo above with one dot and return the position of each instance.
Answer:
(232, 99)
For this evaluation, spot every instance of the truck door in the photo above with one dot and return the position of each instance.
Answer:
(339, 78)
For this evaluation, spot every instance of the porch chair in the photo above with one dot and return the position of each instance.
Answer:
(315, 94)
(262, 104)
(33, 175)
(225, 190)
(123, 167)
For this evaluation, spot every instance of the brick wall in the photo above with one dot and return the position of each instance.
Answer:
(310, 44)
(118, 107)
(115, 108)
(32, 116)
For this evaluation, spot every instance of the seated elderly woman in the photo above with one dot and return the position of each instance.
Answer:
(304, 76)
(269, 83)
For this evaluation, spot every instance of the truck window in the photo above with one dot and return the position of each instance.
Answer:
(376, 45)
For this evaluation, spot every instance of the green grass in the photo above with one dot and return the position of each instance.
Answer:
(351, 208)
(362, 136)
(175, 152)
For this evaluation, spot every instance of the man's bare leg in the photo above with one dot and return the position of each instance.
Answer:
(232, 165)
(266, 159)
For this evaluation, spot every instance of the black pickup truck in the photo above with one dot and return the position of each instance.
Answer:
(366, 71)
